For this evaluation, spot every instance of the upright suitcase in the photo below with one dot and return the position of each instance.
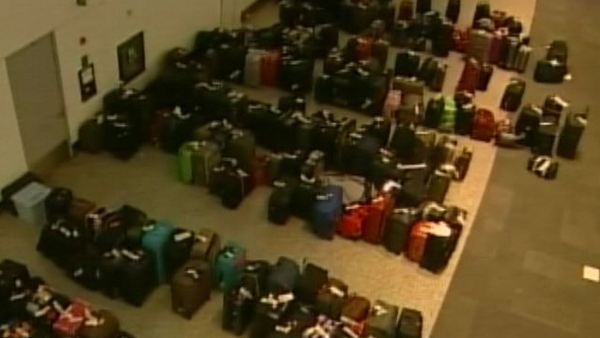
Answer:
(312, 280)
(442, 40)
(138, 277)
(464, 119)
(570, 135)
(382, 321)
(351, 222)
(327, 211)
(280, 201)
(439, 77)
(439, 183)
(269, 312)
(229, 265)
(434, 112)
(190, 287)
(528, 123)
(453, 10)
(331, 298)
(480, 44)
(512, 50)
(238, 310)
(410, 324)
(423, 6)
(104, 324)
(545, 138)
(406, 10)
(487, 70)
(271, 63)
(558, 50)
(513, 95)
(236, 185)
(484, 125)
(470, 76)
(242, 147)
(482, 11)
(355, 313)
(91, 136)
(207, 246)
(252, 69)
(155, 241)
(185, 161)
(305, 196)
(398, 229)
(207, 157)
(448, 118)
(374, 223)
(437, 248)
(522, 59)
(407, 64)
(179, 249)
(463, 163)
(416, 243)
(550, 71)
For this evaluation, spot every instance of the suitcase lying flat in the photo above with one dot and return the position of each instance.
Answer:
(382, 321)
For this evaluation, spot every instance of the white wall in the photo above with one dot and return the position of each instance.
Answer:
(104, 24)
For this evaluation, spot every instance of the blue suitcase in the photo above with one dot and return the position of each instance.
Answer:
(229, 266)
(155, 240)
(284, 276)
(327, 211)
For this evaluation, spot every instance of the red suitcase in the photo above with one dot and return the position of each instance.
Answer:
(470, 76)
(364, 48)
(499, 18)
(484, 125)
(269, 72)
(497, 43)
(70, 322)
(373, 224)
(460, 40)
(417, 240)
(352, 220)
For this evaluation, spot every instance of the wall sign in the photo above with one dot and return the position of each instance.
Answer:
(87, 79)
(132, 57)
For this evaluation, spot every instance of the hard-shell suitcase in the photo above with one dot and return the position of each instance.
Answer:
(570, 135)
(463, 163)
(252, 75)
(406, 10)
(374, 224)
(437, 248)
(179, 248)
(407, 64)
(236, 185)
(439, 184)
(104, 324)
(242, 147)
(453, 10)
(513, 95)
(511, 52)
(484, 125)
(206, 246)
(91, 136)
(138, 277)
(312, 280)
(190, 287)
(155, 241)
(271, 63)
(522, 59)
(305, 196)
(416, 243)
(470, 76)
(480, 44)
(355, 313)
(448, 118)
(410, 324)
(229, 265)
(442, 40)
(487, 70)
(528, 123)
(464, 119)
(284, 276)
(545, 138)
(352, 220)
(398, 229)
(185, 161)
(382, 321)
(327, 211)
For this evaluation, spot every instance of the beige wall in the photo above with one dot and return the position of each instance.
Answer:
(104, 24)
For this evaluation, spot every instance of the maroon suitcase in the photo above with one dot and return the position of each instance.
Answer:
(470, 76)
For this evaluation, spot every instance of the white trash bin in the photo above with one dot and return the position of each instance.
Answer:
(30, 203)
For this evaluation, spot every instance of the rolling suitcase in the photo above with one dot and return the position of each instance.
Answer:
(271, 63)
(448, 118)
(464, 119)
(406, 10)
(138, 277)
(550, 71)
(570, 135)
(407, 64)
(374, 223)
(252, 69)
(289, 13)
(179, 248)
(238, 310)
(312, 280)
(280, 202)
(380, 52)
(91, 136)
(545, 138)
(512, 50)
(453, 10)
(236, 184)
(355, 313)
(331, 298)
(463, 163)
(470, 76)
(229, 265)
(242, 147)
(398, 229)
(423, 6)
(103, 324)
(416, 242)
(522, 59)
(410, 324)
(190, 287)
(284, 276)
(484, 125)
(513, 95)
(269, 312)
(434, 112)
(442, 40)
(439, 77)
(482, 11)
(57, 203)
(480, 44)
(487, 70)
(437, 248)
(155, 241)
(382, 321)
(207, 245)
(327, 211)
(528, 123)
(439, 183)
(185, 161)
(352, 220)
(207, 157)
(304, 197)
(558, 50)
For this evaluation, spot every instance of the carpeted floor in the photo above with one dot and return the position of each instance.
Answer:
(520, 274)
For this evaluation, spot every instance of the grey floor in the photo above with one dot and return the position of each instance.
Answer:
(520, 274)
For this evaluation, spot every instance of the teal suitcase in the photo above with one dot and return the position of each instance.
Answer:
(155, 240)
(229, 265)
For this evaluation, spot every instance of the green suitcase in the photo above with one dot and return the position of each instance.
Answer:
(449, 116)
(185, 161)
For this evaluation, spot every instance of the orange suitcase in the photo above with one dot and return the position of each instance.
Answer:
(417, 240)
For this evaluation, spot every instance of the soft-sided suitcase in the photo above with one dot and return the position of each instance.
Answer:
(352, 220)
(558, 50)
(482, 11)
(304, 197)
(522, 59)
(407, 64)
(550, 71)
(442, 40)
(229, 265)
(382, 321)
(416, 242)
(155, 241)
(398, 229)
(91, 136)
(570, 135)
(327, 211)
(236, 184)
(464, 119)
(269, 312)
(57, 203)
(484, 125)
(312, 280)
(255, 277)
(406, 10)
(355, 313)
(238, 310)
(545, 138)
(480, 45)
(207, 245)
(510, 52)
(434, 112)
(284, 276)
(280, 201)
(207, 156)
(423, 6)
(185, 161)
(513, 95)
(410, 324)
(331, 298)
(138, 277)
(190, 287)
(179, 248)
(439, 184)
(487, 70)
(439, 77)
(437, 248)
(453, 10)
(252, 75)
(103, 324)
(242, 147)
(271, 63)
(528, 123)
(463, 163)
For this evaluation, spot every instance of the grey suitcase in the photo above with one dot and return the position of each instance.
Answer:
(480, 44)
(512, 52)
(252, 70)
(522, 59)
(207, 157)
(382, 321)
(439, 183)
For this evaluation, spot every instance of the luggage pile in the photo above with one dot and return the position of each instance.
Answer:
(120, 252)
(29, 307)
(287, 300)
(547, 130)
(425, 27)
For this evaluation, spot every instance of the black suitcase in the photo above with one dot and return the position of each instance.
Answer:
(359, 153)
(356, 17)
(289, 13)
(482, 11)
(232, 62)
(414, 189)
(304, 197)
(83, 268)
(463, 124)
(383, 168)
(410, 324)
(255, 277)
(404, 142)
(453, 10)
(296, 75)
(280, 201)
(570, 135)
(238, 310)
(138, 278)
(553, 107)
(437, 248)
(550, 71)
(331, 299)
(397, 229)
(241, 146)
(382, 321)
(442, 40)
(267, 316)
(324, 89)
(120, 136)
(91, 136)
(313, 278)
(380, 129)
(57, 203)
(423, 6)
(545, 138)
(400, 34)
(178, 129)
(528, 123)
(558, 50)
(110, 269)
(235, 186)
(407, 64)
(434, 112)
(439, 184)
(513, 95)
(178, 249)
(487, 70)
(427, 70)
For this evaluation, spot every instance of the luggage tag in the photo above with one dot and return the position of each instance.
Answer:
(78, 273)
(195, 274)
(131, 255)
(284, 329)
(180, 237)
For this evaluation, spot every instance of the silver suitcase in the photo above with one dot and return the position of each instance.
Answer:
(252, 71)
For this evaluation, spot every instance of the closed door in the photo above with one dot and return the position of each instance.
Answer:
(37, 94)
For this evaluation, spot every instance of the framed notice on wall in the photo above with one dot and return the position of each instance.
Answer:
(132, 57)
(87, 82)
